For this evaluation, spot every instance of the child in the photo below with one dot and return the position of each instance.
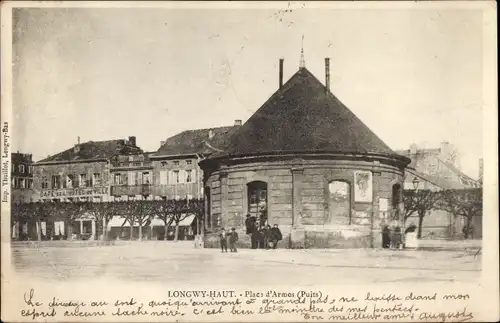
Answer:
(233, 238)
(223, 240)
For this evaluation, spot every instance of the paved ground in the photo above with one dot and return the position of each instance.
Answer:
(169, 261)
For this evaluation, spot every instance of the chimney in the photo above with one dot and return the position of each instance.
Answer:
(76, 149)
(237, 122)
(281, 73)
(131, 141)
(327, 73)
(413, 149)
(211, 134)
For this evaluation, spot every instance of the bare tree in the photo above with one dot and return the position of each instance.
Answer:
(419, 202)
(463, 202)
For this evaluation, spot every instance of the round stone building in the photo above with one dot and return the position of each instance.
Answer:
(304, 161)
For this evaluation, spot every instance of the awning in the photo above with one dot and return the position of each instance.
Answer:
(186, 221)
(117, 221)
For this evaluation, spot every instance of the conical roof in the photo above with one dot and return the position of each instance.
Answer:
(304, 117)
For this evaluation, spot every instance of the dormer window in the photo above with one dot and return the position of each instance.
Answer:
(176, 163)
(163, 164)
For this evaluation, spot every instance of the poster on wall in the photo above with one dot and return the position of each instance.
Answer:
(383, 204)
(363, 191)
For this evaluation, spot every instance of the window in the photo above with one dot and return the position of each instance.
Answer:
(189, 176)
(56, 181)
(118, 179)
(30, 183)
(96, 178)
(30, 169)
(176, 163)
(132, 179)
(163, 177)
(14, 183)
(45, 182)
(22, 183)
(339, 204)
(189, 162)
(177, 178)
(163, 164)
(145, 179)
(21, 168)
(83, 180)
(70, 180)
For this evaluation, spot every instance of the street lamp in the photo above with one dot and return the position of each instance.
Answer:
(415, 183)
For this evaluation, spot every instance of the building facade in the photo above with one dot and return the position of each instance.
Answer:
(81, 173)
(176, 170)
(304, 161)
(22, 178)
(438, 169)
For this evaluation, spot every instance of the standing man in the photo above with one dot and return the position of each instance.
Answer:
(275, 236)
(267, 236)
(223, 240)
(250, 224)
(233, 238)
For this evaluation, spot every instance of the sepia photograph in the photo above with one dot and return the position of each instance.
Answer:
(256, 161)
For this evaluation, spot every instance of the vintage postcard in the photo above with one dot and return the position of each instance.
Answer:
(249, 161)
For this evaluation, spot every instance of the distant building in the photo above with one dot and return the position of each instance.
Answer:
(441, 166)
(131, 176)
(80, 173)
(176, 173)
(22, 178)
(438, 169)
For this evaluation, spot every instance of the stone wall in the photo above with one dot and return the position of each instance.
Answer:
(299, 197)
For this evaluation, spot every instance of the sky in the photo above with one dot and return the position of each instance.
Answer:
(412, 76)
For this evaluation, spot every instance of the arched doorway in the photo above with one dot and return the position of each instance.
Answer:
(339, 203)
(257, 200)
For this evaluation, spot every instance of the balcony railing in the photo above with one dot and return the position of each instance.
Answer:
(132, 164)
(140, 189)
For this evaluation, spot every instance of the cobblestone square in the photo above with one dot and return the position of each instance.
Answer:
(181, 262)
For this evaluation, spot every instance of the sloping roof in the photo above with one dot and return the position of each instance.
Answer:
(303, 117)
(91, 150)
(441, 181)
(196, 142)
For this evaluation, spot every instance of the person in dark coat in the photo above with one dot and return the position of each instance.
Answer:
(250, 224)
(396, 238)
(233, 238)
(223, 240)
(275, 236)
(255, 236)
(267, 236)
(386, 237)
(262, 237)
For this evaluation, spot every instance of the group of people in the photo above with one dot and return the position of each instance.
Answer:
(392, 237)
(262, 236)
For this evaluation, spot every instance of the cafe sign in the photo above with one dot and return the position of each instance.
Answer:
(70, 192)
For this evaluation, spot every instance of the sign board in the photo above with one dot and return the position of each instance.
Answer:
(363, 188)
(75, 192)
(383, 204)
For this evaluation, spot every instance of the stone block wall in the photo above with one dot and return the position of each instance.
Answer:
(303, 201)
